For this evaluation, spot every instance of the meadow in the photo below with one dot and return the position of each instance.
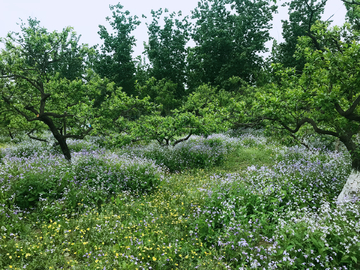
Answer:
(228, 201)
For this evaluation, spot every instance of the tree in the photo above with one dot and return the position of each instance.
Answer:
(202, 114)
(118, 113)
(162, 92)
(228, 42)
(326, 96)
(353, 12)
(166, 48)
(115, 60)
(302, 16)
(38, 83)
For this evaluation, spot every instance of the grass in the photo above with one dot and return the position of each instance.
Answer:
(241, 158)
(259, 206)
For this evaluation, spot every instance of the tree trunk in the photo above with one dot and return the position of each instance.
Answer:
(59, 137)
(354, 151)
(351, 189)
(64, 147)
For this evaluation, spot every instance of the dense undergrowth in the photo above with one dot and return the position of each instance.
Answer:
(209, 203)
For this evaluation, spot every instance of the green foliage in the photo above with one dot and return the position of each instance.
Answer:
(162, 92)
(30, 188)
(40, 85)
(302, 16)
(353, 13)
(228, 41)
(191, 154)
(203, 113)
(324, 96)
(166, 48)
(115, 60)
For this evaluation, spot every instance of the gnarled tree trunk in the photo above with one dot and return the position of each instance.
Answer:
(351, 189)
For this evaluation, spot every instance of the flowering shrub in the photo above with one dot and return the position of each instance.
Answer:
(197, 152)
(47, 181)
(108, 211)
(284, 216)
(25, 149)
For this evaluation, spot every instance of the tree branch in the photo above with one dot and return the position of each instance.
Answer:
(182, 140)
(349, 114)
(313, 124)
(55, 115)
(79, 137)
(351, 3)
(7, 101)
(14, 76)
(35, 138)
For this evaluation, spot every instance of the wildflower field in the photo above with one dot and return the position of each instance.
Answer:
(221, 202)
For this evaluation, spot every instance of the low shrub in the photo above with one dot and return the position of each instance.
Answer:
(197, 152)
(283, 216)
(50, 184)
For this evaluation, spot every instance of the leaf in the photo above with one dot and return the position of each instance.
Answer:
(345, 258)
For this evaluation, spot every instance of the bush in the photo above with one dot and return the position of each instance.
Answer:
(50, 184)
(197, 152)
(284, 216)
(97, 176)
(25, 149)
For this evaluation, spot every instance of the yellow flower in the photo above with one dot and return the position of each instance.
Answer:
(154, 259)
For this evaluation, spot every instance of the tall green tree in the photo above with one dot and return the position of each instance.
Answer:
(229, 35)
(40, 85)
(326, 96)
(166, 48)
(302, 16)
(115, 60)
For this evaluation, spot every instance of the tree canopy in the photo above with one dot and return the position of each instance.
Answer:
(166, 48)
(302, 16)
(115, 60)
(229, 35)
(326, 95)
(42, 77)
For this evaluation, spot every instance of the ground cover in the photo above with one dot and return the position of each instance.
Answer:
(228, 203)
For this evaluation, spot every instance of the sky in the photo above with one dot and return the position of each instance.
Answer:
(85, 16)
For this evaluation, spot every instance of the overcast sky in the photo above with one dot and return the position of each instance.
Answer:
(86, 15)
